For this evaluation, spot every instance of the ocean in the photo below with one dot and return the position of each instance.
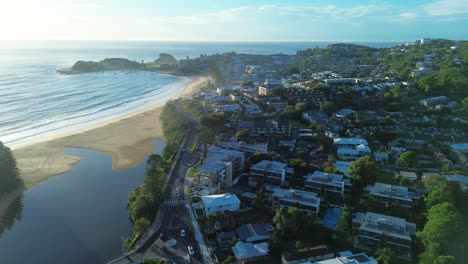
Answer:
(36, 101)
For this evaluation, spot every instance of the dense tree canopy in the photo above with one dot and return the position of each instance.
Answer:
(407, 159)
(364, 170)
(9, 173)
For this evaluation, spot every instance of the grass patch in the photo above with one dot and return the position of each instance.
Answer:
(192, 172)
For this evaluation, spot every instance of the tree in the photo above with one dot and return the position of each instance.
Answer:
(274, 245)
(141, 225)
(300, 167)
(9, 173)
(439, 233)
(431, 181)
(407, 159)
(291, 113)
(242, 135)
(445, 260)
(385, 255)
(343, 229)
(329, 107)
(363, 170)
(299, 245)
(288, 222)
(439, 194)
(205, 136)
(301, 107)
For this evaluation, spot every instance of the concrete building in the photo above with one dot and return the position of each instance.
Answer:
(324, 182)
(378, 231)
(267, 89)
(391, 194)
(306, 255)
(219, 203)
(351, 148)
(221, 166)
(305, 201)
(270, 171)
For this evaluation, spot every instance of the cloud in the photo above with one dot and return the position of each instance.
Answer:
(447, 7)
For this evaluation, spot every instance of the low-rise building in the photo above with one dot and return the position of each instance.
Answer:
(349, 142)
(303, 200)
(379, 231)
(324, 182)
(391, 194)
(347, 257)
(254, 232)
(267, 89)
(221, 166)
(219, 203)
(270, 171)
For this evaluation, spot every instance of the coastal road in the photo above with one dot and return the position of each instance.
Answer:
(175, 215)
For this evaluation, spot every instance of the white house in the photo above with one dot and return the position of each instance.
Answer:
(220, 203)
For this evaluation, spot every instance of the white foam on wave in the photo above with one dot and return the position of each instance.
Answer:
(70, 125)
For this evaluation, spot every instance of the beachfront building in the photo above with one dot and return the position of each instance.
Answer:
(270, 171)
(219, 203)
(324, 182)
(391, 194)
(221, 166)
(278, 197)
(374, 230)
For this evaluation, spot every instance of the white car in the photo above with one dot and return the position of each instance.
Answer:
(182, 233)
(191, 251)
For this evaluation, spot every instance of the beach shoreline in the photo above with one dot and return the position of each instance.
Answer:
(127, 138)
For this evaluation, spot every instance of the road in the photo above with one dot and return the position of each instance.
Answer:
(174, 214)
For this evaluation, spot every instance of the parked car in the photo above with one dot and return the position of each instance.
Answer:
(182, 233)
(191, 251)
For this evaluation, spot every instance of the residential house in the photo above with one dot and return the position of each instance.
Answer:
(270, 171)
(324, 182)
(219, 203)
(379, 231)
(347, 257)
(244, 251)
(254, 232)
(303, 200)
(267, 89)
(268, 128)
(391, 194)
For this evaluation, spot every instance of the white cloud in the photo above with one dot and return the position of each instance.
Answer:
(447, 7)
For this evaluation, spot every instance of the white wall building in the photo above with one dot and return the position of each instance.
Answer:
(220, 203)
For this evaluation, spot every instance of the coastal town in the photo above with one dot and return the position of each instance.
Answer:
(328, 156)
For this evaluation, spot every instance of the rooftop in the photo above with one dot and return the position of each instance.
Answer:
(253, 230)
(349, 141)
(268, 165)
(388, 190)
(216, 157)
(324, 177)
(219, 199)
(385, 224)
(296, 196)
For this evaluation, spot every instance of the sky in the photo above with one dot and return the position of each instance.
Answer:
(229, 20)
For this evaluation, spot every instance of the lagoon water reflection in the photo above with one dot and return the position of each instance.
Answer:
(78, 217)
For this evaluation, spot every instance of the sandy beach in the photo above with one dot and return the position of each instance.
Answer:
(128, 139)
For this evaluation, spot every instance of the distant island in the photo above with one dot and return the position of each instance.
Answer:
(166, 63)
